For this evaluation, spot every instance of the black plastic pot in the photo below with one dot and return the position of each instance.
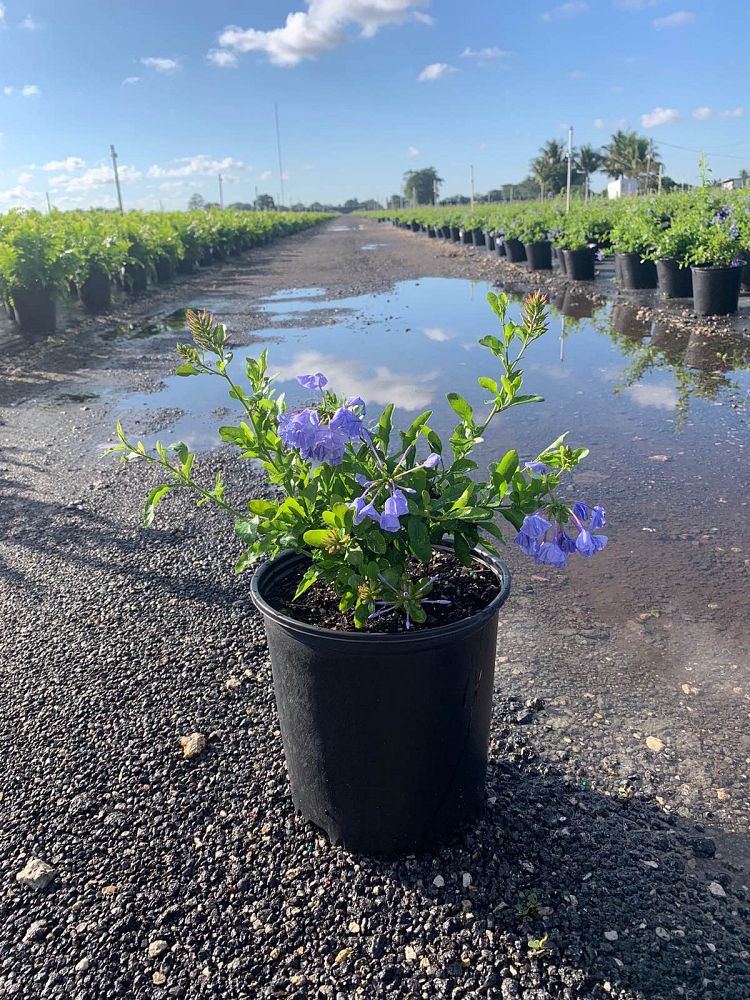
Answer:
(415, 227)
(514, 251)
(385, 735)
(431, 232)
(500, 246)
(635, 273)
(136, 278)
(466, 237)
(477, 238)
(579, 264)
(35, 309)
(489, 239)
(165, 269)
(455, 234)
(576, 304)
(628, 321)
(675, 282)
(186, 266)
(96, 291)
(539, 255)
(716, 290)
(561, 260)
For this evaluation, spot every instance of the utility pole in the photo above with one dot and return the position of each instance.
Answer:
(661, 173)
(278, 147)
(49, 206)
(256, 198)
(221, 191)
(570, 168)
(117, 176)
(471, 169)
(648, 165)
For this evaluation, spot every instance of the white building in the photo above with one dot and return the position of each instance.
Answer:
(623, 187)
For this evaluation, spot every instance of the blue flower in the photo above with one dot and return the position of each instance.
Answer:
(550, 554)
(588, 544)
(347, 421)
(536, 468)
(389, 518)
(432, 461)
(316, 381)
(364, 508)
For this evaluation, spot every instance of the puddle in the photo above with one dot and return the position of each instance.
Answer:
(373, 246)
(152, 328)
(285, 294)
(664, 412)
(345, 229)
(77, 397)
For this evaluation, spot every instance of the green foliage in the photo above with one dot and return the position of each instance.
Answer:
(368, 565)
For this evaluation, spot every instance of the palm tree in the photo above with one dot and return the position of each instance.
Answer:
(549, 168)
(422, 185)
(744, 178)
(588, 161)
(631, 155)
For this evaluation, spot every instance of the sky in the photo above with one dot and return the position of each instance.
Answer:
(366, 90)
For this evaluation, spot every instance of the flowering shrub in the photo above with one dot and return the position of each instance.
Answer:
(367, 504)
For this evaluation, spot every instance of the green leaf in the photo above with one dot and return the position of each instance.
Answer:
(462, 549)
(186, 369)
(385, 425)
(152, 501)
(262, 507)
(318, 537)
(419, 539)
(246, 530)
(488, 383)
(310, 577)
(460, 406)
(494, 345)
(507, 466)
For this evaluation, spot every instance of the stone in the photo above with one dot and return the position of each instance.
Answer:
(439, 881)
(83, 965)
(717, 889)
(193, 745)
(158, 979)
(611, 935)
(36, 874)
(157, 948)
(654, 744)
(35, 931)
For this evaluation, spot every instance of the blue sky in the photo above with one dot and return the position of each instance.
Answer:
(366, 89)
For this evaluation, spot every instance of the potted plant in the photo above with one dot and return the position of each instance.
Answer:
(99, 254)
(36, 268)
(715, 262)
(514, 248)
(534, 234)
(573, 239)
(672, 242)
(633, 237)
(383, 583)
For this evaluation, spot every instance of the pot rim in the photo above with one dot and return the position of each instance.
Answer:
(453, 630)
(731, 268)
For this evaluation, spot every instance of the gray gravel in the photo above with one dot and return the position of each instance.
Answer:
(191, 877)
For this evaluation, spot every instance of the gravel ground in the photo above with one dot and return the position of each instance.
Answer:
(591, 873)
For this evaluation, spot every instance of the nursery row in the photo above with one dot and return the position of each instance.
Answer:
(44, 258)
(691, 245)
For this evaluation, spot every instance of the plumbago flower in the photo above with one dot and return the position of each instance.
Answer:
(367, 504)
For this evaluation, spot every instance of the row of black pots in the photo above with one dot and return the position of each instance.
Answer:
(715, 290)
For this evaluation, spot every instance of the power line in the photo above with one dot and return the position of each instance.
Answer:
(706, 152)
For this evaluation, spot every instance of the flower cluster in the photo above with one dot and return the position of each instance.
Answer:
(322, 441)
(396, 504)
(551, 544)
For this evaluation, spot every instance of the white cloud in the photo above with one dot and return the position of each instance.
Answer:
(378, 384)
(2, 14)
(160, 64)
(598, 123)
(129, 81)
(491, 52)
(266, 175)
(69, 165)
(412, 151)
(659, 116)
(19, 195)
(421, 18)
(24, 179)
(635, 4)
(322, 27)
(571, 9)
(437, 334)
(435, 71)
(29, 24)
(661, 397)
(196, 166)
(93, 178)
(702, 113)
(222, 58)
(734, 113)
(28, 90)
(577, 74)
(676, 20)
